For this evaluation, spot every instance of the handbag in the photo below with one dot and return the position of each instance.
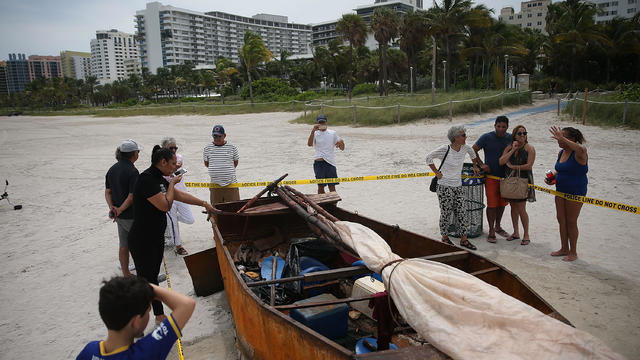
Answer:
(514, 187)
(434, 182)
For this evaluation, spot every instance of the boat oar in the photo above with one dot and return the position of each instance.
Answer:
(274, 264)
(317, 207)
(314, 219)
(269, 187)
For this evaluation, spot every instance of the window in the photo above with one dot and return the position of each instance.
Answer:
(539, 14)
(510, 17)
(631, 1)
(519, 16)
(631, 11)
(539, 23)
(614, 3)
(614, 13)
(529, 24)
(529, 15)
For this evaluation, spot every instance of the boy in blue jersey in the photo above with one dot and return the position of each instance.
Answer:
(124, 308)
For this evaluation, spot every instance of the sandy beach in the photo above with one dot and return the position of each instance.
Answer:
(61, 245)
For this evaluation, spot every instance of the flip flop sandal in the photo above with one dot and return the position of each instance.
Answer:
(447, 241)
(525, 242)
(502, 233)
(492, 239)
(468, 245)
(511, 238)
(181, 251)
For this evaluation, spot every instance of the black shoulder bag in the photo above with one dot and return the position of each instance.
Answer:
(434, 182)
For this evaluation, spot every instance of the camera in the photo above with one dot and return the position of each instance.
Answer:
(180, 172)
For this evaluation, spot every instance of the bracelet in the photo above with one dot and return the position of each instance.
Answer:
(204, 204)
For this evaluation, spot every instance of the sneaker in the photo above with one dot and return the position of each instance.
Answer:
(131, 266)
(162, 278)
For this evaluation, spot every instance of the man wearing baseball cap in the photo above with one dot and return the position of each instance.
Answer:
(323, 141)
(221, 158)
(119, 183)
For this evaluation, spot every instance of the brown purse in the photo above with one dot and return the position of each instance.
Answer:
(514, 187)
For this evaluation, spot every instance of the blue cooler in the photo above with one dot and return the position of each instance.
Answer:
(328, 320)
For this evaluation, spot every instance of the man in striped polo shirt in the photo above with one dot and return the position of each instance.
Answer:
(221, 158)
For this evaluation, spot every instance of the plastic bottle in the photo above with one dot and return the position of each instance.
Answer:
(550, 176)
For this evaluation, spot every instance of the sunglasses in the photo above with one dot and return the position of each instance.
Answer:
(174, 148)
(522, 133)
(463, 135)
(217, 136)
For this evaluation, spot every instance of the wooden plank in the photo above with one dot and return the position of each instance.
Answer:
(484, 271)
(346, 272)
(323, 303)
(406, 353)
(327, 198)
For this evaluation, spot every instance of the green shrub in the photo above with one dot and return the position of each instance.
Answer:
(269, 89)
(364, 89)
(630, 92)
(305, 96)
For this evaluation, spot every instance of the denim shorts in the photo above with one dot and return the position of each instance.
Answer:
(324, 170)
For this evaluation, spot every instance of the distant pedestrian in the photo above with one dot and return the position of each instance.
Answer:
(119, 184)
(180, 212)
(324, 141)
(124, 309)
(493, 144)
(221, 158)
(450, 195)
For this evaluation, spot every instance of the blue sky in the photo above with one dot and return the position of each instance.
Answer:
(43, 27)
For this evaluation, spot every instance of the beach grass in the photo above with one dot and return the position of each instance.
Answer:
(606, 111)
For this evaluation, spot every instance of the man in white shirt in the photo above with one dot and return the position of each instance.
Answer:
(221, 158)
(323, 141)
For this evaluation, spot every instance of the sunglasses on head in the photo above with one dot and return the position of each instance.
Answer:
(521, 133)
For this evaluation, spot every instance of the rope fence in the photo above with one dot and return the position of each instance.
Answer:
(626, 110)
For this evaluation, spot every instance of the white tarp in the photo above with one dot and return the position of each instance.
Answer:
(465, 317)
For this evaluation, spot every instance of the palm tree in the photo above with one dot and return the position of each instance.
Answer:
(353, 29)
(384, 25)
(446, 21)
(413, 35)
(572, 23)
(252, 53)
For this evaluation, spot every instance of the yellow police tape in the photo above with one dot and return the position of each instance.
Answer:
(166, 271)
(578, 198)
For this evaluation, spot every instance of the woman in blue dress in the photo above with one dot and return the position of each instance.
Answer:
(571, 178)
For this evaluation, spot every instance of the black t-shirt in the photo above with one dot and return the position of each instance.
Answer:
(121, 180)
(149, 222)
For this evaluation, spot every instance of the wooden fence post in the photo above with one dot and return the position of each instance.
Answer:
(292, 103)
(502, 100)
(479, 105)
(518, 96)
(584, 106)
(450, 111)
(398, 113)
(322, 108)
(573, 114)
(624, 111)
(305, 109)
(355, 117)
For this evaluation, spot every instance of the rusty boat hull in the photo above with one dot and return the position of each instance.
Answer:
(265, 332)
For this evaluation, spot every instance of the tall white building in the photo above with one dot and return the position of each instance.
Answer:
(75, 64)
(325, 31)
(532, 15)
(170, 36)
(109, 50)
(615, 8)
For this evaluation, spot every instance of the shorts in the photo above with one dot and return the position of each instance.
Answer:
(220, 195)
(492, 188)
(324, 170)
(124, 226)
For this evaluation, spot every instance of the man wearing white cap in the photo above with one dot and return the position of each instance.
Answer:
(119, 183)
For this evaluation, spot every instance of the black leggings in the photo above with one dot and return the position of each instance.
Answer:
(147, 256)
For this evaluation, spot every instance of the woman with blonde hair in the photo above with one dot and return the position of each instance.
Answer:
(519, 158)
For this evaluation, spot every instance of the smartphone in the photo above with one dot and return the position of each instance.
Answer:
(180, 172)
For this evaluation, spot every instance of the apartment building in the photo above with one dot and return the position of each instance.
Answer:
(75, 64)
(44, 67)
(325, 31)
(17, 73)
(169, 36)
(4, 85)
(532, 15)
(109, 50)
(610, 9)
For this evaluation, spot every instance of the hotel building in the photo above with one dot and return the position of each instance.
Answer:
(109, 51)
(75, 64)
(532, 15)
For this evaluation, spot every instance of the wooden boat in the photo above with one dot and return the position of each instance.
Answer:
(268, 332)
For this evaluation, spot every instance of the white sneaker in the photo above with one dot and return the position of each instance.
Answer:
(131, 267)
